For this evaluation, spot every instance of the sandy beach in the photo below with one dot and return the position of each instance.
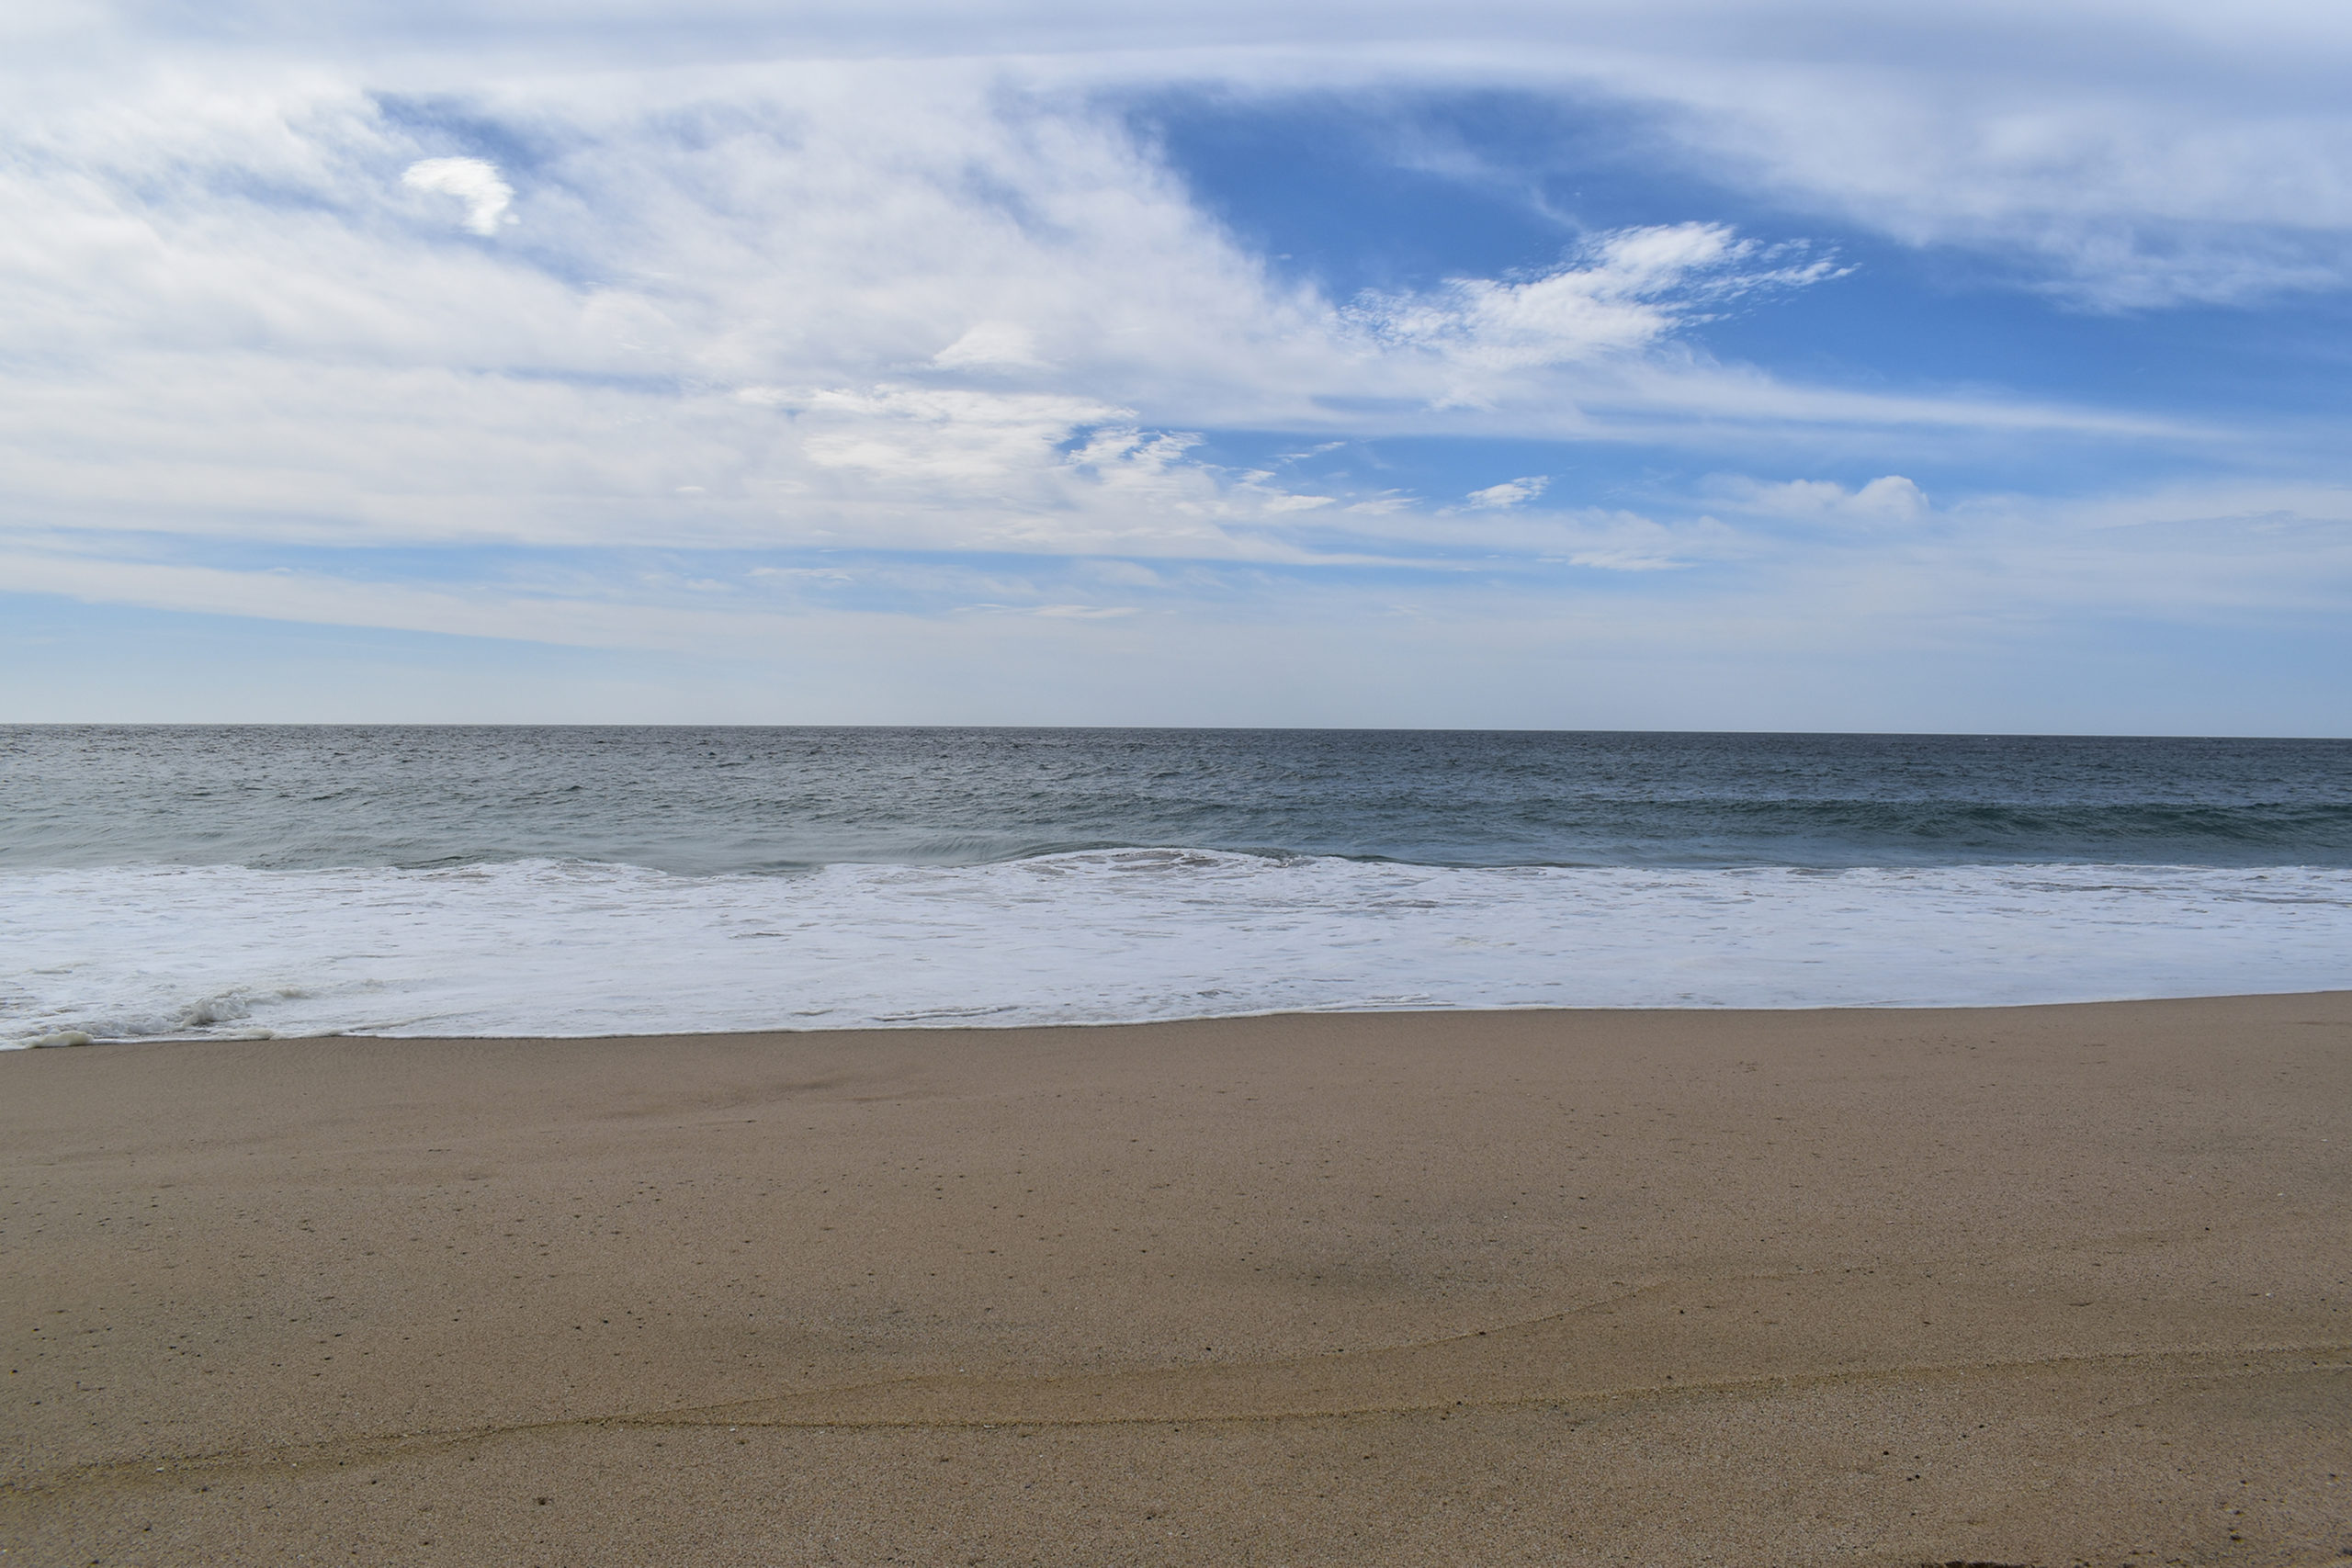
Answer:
(2048, 1286)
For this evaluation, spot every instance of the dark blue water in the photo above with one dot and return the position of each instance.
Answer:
(706, 800)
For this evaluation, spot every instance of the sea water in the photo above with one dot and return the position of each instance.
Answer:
(208, 881)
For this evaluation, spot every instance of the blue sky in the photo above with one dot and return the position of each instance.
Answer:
(1682, 366)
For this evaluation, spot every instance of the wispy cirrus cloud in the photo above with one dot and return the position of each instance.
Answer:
(692, 329)
(900, 305)
(1623, 292)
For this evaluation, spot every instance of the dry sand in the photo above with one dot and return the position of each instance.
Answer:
(2049, 1285)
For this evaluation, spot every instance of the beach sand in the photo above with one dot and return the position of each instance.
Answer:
(2041, 1285)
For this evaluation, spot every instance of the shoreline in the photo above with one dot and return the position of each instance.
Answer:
(816, 1032)
(2011, 1283)
(499, 951)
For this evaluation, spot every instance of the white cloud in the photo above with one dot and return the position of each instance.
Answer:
(1510, 492)
(1965, 627)
(722, 327)
(820, 577)
(2118, 198)
(474, 181)
(1514, 541)
(1004, 343)
(1623, 291)
(2130, 155)
(827, 226)
(2184, 556)
(955, 307)
(1891, 499)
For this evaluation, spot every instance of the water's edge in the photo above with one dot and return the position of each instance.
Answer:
(813, 1034)
(566, 949)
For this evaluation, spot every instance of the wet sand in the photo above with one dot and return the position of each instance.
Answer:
(2043, 1285)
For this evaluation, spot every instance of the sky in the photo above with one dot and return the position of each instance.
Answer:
(1684, 365)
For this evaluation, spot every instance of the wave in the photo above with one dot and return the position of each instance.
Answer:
(1111, 935)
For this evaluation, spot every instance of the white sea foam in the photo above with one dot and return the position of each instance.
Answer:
(564, 948)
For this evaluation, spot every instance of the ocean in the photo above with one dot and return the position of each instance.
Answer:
(201, 881)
